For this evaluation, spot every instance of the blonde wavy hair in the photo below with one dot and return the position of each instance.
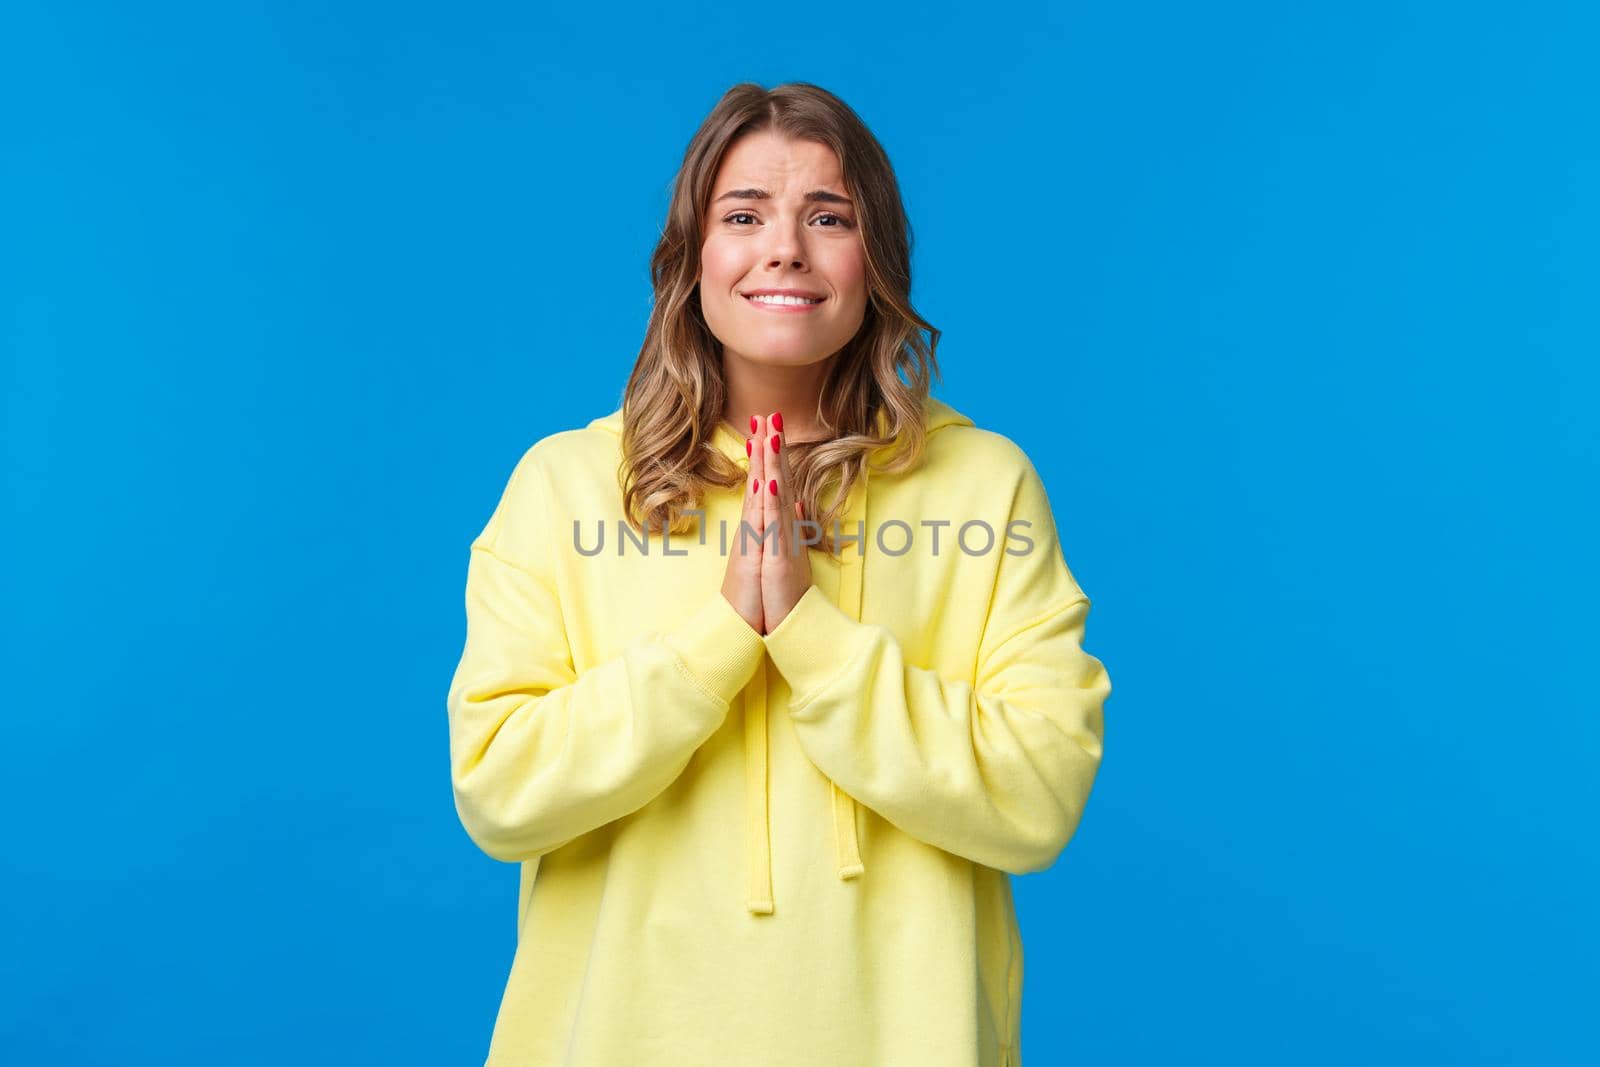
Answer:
(676, 394)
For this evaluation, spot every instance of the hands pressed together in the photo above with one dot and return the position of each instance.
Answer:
(768, 572)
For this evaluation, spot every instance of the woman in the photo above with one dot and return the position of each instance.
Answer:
(767, 790)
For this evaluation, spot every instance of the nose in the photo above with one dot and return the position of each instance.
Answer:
(787, 245)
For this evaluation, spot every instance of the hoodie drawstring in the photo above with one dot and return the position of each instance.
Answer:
(757, 796)
(846, 842)
(842, 806)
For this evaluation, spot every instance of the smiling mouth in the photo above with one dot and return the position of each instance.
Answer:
(783, 303)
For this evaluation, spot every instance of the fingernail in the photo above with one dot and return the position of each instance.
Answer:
(755, 485)
(774, 442)
(752, 424)
(747, 447)
(773, 485)
(777, 421)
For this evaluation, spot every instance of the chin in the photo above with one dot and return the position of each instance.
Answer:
(786, 355)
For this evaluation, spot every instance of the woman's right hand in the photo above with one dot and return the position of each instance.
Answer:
(741, 584)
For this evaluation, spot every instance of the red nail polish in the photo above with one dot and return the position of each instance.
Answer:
(752, 424)
(773, 485)
(777, 421)
(747, 447)
(774, 443)
(755, 485)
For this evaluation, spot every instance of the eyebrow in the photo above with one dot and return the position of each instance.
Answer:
(814, 196)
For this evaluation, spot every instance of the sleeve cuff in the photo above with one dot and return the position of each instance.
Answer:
(717, 647)
(813, 644)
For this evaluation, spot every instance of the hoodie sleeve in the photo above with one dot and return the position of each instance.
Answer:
(541, 754)
(997, 770)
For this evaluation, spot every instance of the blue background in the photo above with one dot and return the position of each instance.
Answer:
(1294, 308)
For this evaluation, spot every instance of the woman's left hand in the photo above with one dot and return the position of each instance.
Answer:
(785, 559)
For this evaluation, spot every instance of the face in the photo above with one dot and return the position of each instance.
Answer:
(780, 219)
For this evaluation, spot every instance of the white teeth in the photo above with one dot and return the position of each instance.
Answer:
(782, 300)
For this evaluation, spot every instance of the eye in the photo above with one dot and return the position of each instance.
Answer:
(839, 219)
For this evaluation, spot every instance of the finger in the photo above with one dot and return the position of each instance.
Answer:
(783, 500)
(805, 536)
(772, 490)
(754, 499)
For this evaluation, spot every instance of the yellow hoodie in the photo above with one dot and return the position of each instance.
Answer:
(794, 848)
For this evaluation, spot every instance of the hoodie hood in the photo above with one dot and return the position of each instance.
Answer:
(851, 570)
(936, 415)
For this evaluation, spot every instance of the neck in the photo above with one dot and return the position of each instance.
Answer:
(763, 388)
